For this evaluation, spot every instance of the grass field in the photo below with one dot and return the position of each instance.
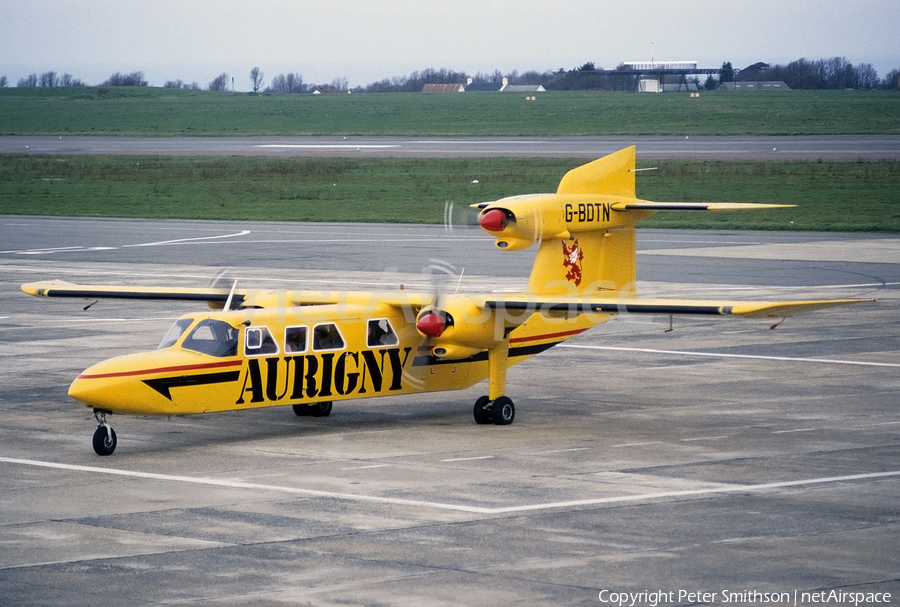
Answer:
(155, 111)
(838, 196)
(844, 196)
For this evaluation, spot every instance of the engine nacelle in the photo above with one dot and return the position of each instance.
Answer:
(459, 328)
(518, 222)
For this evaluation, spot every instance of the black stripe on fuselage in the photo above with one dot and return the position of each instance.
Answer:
(424, 361)
(164, 384)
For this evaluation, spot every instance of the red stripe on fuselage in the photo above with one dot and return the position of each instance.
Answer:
(571, 333)
(230, 363)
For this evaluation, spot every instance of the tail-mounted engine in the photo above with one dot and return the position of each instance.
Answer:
(520, 221)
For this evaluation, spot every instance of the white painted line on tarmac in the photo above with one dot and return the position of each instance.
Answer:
(183, 240)
(324, 146)
(830, 361)
(232, 484)
(567, 450)
(467, 459)
(688, 440)
(45, 251)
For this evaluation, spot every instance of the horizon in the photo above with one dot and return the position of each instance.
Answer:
(366, 41)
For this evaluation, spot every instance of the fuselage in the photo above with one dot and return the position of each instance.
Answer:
(219, 361)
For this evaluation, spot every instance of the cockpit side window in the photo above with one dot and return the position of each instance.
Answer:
(381, 333)
(259, 342)
(213, 337)
(175, 333)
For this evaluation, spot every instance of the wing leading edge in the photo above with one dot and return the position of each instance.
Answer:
(58, 288)
(517, 302)
(637, 305)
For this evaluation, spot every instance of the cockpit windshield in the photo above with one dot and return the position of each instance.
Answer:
(213, 337)
(175, 333)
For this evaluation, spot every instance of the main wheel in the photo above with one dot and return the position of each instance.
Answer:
(104, 440)
(315, 409)
(503, 411)
(320, 409)
(482, 412)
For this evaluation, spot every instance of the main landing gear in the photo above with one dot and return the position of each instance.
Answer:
(496, 408)
(501, 411)
(104, 435)
(314, 410)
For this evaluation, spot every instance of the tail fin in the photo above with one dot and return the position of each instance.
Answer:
(598, 258)
(586, 229)
(613, 175)
(586, 244)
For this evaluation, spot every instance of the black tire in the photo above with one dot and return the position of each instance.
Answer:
(301, 410)
(481, 413)
(320, 409)
(104, 440)
(503, 411)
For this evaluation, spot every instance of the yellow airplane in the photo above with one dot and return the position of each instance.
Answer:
(261, 348)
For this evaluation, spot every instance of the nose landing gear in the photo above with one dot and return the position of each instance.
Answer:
(104, 436)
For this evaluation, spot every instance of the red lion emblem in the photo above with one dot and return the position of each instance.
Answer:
(572, 260)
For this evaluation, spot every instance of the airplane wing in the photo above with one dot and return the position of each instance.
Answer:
(216, 297)
(59, 288)
(517, 302)
(638, 305)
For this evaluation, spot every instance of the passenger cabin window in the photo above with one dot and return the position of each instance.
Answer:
(381, 333)
(175, 333)
(259, 342)
(327, 337)
(212, 337)
(295, 339)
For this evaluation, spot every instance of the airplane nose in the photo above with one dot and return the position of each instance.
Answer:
(97, 392)
(115, 385)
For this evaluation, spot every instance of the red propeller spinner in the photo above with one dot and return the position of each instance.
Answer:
(431, 324)
(494, 220)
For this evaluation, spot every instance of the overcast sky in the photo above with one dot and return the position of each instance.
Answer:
(365, 41)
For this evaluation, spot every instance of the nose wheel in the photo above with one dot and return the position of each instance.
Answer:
(501, 411)
(104, 436)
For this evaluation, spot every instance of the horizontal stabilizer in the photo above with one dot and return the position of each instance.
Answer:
(642, 205)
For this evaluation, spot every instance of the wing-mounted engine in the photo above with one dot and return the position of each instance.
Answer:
(457, 327)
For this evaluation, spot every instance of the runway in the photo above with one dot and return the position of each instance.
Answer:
(723, 457)
(838, 147)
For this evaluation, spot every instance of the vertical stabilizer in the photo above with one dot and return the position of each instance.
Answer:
(612, 175)
(587, 239)
(597, 255)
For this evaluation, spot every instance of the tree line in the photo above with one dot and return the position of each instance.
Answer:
(831, 73)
